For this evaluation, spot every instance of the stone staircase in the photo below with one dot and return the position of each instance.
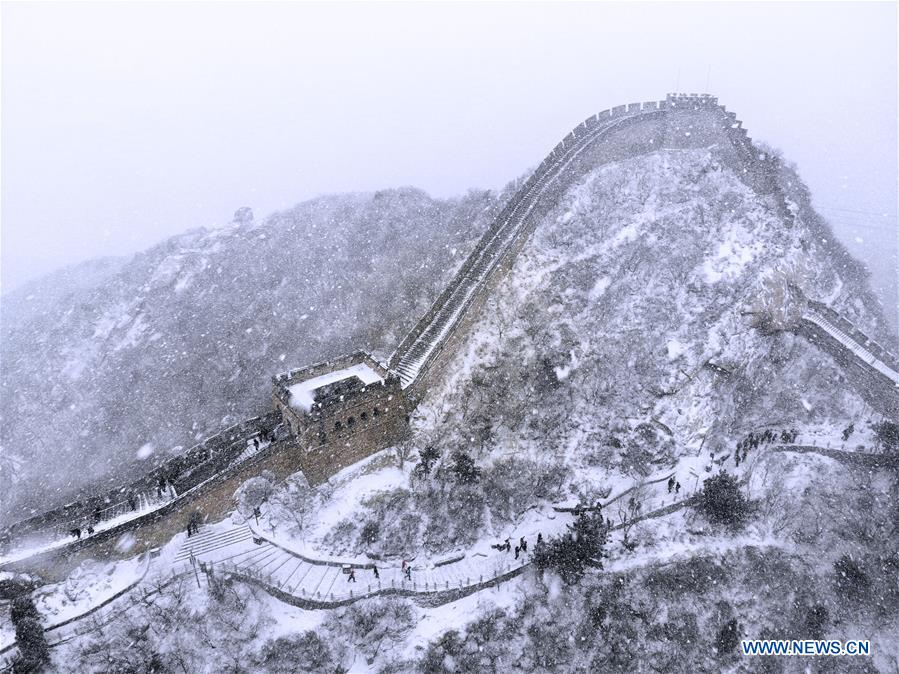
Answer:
(211, 544)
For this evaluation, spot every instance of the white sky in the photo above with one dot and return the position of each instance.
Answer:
(123, 124)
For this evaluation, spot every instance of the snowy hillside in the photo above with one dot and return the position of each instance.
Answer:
(169, 347)
(620, 345)
(621, 348)
(622, 361)
(631, 308)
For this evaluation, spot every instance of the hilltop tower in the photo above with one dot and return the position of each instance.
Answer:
(340, 412)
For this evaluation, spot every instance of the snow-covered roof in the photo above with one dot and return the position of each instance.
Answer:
(302, 394)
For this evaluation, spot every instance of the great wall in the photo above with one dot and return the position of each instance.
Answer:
(332, 414)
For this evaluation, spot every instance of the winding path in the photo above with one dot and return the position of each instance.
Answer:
(275, 565)
(876, 461)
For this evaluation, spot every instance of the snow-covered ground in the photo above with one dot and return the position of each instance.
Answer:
(86, 587)
(618, 363)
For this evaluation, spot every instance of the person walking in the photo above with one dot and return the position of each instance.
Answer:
(670, 484)
(677, 488)
(409, 572)
(374, 570)
(523, 544)
(539, 539)
(516, 551)
(351, 578)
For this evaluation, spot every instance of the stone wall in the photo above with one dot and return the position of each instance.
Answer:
(861, 338)
(876, 389)
(621, 133)
(184, 471)
(206, 476)
(213, 498)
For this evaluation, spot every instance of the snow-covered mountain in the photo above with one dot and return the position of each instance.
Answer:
(627, 342)
(166, 348)
(634, 307)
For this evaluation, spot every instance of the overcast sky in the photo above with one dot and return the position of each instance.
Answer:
(123, 124)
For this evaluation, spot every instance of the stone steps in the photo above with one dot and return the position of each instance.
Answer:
(201, 544)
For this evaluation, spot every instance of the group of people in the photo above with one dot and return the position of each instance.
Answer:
(351, 573)
(521, 548)
(754, 440)
(162, 486)
(193, 523)
(77, 531)
(131, 499)
(87, 528)
(673, 485)
(406, 567)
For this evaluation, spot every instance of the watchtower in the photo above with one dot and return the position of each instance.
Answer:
(341, 411)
